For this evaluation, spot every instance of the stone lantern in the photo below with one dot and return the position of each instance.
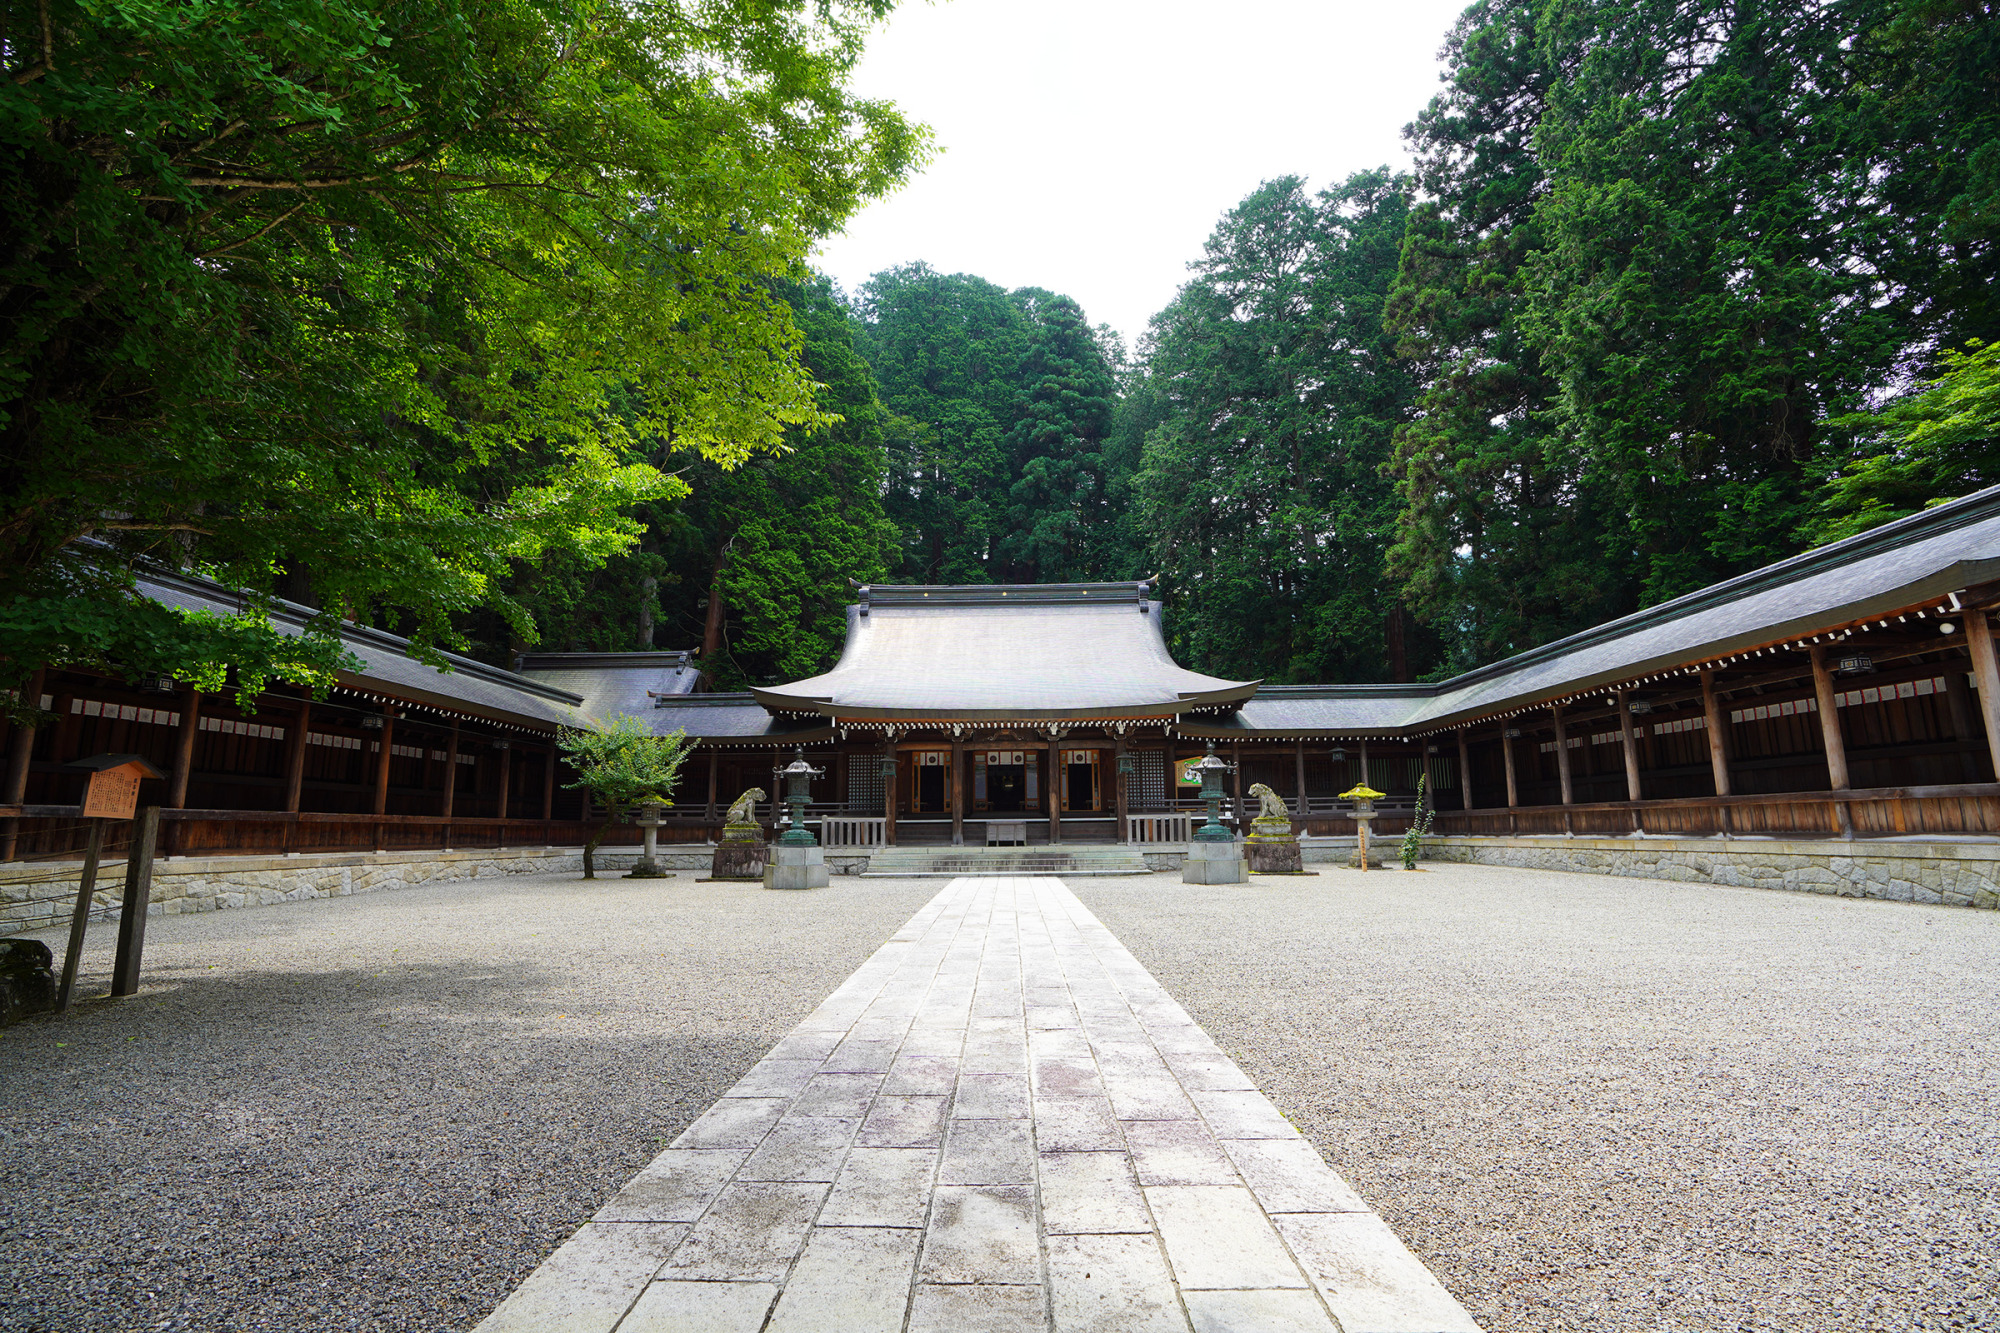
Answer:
(648, 864)
(797, 861)
(1213, 856)
(1364, 798)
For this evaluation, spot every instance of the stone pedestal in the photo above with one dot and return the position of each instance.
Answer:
(796, 868)
(648, 865)
(741, 854)
(1215, 863)
(1272, 848)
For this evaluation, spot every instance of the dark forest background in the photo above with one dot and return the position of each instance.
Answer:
(1675, 290)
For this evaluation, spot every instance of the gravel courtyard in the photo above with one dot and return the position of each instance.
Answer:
(1588, 1103)
(381, 1112)
(1596, 1103)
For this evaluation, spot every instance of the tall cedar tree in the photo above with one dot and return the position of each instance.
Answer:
(1263, 486)
(1001, 475)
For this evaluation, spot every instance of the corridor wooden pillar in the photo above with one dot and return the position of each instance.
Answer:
(549, 783)
(1629, 744)
(177, 783)
(1236, 785)
(1118, 753)
(889, 791)
(709, 810)
(1562, 756)
(1985, 675)
(20, 753)
(1299, 763)
(506, 776)
(1830, 736)
(295, 755)
(450, 796)
(382, 760)
(1717, 719)
(1464, 771)
(1507, 760)
(958, 793)
(1054, 794)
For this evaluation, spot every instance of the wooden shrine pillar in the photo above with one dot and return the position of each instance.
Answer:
(20, 753)
(889, 791)
(958, 793)
(1629, 744)
(1236, 786)
(1958, 705)
(382, 762)
(1830, 737)
(177, 783)
(708, 811)
(549, 783)
(1717, 719)
(295, 756)
(1464, 771)
(1054, 790)
(1562, 756)
(1986, 676)
(1507, 760)
(506, 777)
(1299, 768)
(1124, 801)
(450, 797)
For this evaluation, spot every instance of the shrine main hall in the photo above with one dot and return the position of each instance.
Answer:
(1841, 697)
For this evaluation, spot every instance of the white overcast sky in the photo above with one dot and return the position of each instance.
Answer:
(1090, 146)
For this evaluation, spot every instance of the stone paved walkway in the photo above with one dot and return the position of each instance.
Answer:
(999, 1122)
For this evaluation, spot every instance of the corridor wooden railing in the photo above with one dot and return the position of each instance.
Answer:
(1876, 812)
(847, 831)
(53, 832)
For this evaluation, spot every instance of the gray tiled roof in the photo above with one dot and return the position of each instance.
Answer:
(1004, 652)
(727, 718)
(614, 683)
(387, 668)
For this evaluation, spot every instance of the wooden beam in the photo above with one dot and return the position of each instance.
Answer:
(1299, 758)
(1057, 790)
(889, 794)
(177, 782)
(1118, 753)
(958, 793)
(1718, 733)
(1507, 756)
(549, 783)
(295, 755)
(1464, 771)
(1986, 675)
(138, 896)
(1630, 745)
(506, 776)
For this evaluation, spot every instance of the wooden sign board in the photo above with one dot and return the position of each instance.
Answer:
(114, 792)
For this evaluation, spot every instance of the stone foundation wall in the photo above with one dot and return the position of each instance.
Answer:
(1957, 874)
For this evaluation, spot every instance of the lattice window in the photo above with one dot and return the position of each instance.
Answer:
(864, 782)
(1149, 784)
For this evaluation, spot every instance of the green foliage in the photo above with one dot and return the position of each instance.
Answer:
(621, 763)
(1420, 824)
(1276, 391)
(1927, 448)
(998, 469)
(376, 303)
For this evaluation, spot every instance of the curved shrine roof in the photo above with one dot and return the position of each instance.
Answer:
(1005, 652)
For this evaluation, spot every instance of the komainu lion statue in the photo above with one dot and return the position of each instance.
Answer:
(1269, 803)
(744, 810)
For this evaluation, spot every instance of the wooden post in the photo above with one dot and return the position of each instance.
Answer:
(382, 763)
(1830, 737)
(549, 783)
(1717, 719)
(20, 753)
(1464, 771)
(1986, 676)
(1365, 774)
(1958, 707)
(138, 897)
(1057, 789)
(506, 777)
(451, 776)
(1236, 785)
(1299, 764)
(958, 793)
(79, 920)
(295, 756)
(1562, 756)
(889, 793)
(177, 784)
(1507, 757)
(1630, 745)
(709, 812)
(1118, 753)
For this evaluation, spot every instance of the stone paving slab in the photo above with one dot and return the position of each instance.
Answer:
(999, 1122)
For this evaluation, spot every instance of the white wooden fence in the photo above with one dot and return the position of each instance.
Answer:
(1161, 828)
(844, 831)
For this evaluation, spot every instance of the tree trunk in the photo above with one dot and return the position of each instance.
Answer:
(649, 592)
(711, 629)
(1399, 665)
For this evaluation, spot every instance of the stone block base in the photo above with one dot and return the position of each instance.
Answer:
(1214, 863)
(1274, 856)
(796, 868)
(739, 860)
